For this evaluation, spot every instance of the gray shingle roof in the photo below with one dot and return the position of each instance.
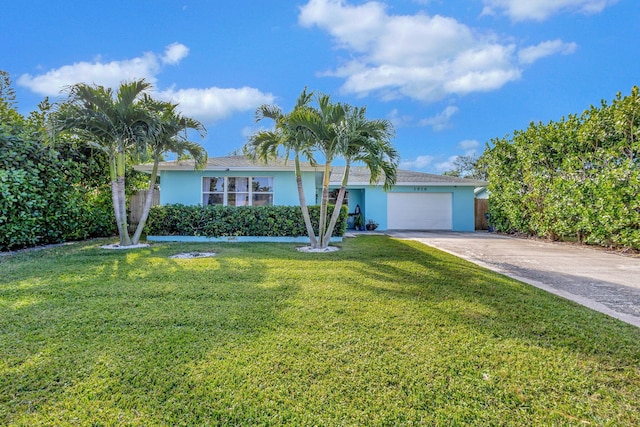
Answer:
(361, 175)
(358, 175)
(227, 162)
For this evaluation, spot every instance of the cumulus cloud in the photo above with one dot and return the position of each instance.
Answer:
(108, 74)
(213, 104)
(174, 53)
(417, 56)
(531, 54)
(420, 162)
(205, 104)
(539, 10)
(469, 146)
(440, 121)
(399, 120)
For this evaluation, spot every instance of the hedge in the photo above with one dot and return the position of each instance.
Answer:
(577, 179)
(222, 221)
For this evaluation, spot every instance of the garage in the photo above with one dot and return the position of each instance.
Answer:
(420, 211)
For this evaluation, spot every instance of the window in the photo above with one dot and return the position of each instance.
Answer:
(237, 191)
(333, 197)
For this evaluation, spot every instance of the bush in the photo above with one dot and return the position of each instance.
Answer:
(221, 221)
(577, 179)
(42, 199)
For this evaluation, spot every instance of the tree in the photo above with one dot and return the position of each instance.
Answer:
(113, 123)
(266, 145)
(468, 167)
(341, 131)
(169, 134)
(368, 142)
(332, 130)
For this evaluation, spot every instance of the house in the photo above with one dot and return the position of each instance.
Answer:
(418, 201)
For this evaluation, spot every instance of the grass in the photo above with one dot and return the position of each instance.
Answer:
(381, 333)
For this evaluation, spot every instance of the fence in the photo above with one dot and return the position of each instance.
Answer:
(136, 205)
(482, 207)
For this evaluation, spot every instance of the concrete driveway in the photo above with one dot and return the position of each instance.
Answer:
(603, 281)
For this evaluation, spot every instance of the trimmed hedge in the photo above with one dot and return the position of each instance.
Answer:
(42, 199)
(222, 221)
(577, 179)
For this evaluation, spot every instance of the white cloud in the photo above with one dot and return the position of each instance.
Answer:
(174, 53)
(399, 120)
(539, 10)
(213, 104)
(417, 56)
(109, 74)
(205, 104)
(447, 165)
(531, 54)
(420, 162)
(469, 146)
(440, 121)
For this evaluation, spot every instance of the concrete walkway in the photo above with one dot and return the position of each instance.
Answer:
(604, 281)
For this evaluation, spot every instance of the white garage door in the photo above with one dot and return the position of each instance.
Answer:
(419, 211)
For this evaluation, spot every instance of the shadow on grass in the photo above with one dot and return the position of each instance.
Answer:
(382, 328)
(88, 326)
(492, 304)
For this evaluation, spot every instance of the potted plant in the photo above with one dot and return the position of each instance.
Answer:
(358, 222)
(371, 225)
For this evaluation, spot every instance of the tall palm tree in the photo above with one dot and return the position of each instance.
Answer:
(266, 145)
(169, 133)
(113, 123)
(361, 140)
(340, 130)
(320, 126)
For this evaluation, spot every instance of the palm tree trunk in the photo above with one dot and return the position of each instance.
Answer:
(148, 200)
(323, 205)
(303, 204)
(338, 207)
(114, 196)
(125, 239)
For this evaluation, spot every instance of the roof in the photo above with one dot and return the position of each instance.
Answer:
(359, 175)
(227, 163)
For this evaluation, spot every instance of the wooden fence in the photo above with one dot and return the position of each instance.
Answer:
(136, 205)
(482, 207)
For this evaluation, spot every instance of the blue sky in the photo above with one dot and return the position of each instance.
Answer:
(450, 75)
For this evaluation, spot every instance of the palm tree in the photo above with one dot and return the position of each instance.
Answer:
(319, 125)
(169, 133)
(266, 145)
(365, 141)
(113, 123)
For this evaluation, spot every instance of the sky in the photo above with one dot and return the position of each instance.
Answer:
(451, 75)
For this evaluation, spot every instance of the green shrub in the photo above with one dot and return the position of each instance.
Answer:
(576, 179)
(220, 221)
(42, 199)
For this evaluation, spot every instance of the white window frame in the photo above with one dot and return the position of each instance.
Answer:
(225, 192)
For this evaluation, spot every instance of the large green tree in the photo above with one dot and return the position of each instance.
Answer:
(45, 195)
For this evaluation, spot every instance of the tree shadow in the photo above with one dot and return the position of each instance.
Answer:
(76, 319)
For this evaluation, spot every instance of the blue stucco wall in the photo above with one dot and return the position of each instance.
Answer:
(375, 204)
(185, 187)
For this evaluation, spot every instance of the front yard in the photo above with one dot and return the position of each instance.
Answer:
(382, 332)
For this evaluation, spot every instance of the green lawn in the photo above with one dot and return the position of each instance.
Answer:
(382, 332)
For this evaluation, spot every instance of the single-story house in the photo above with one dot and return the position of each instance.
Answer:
(418, 201)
